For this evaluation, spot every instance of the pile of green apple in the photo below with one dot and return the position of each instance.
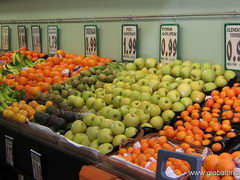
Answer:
(101, 133)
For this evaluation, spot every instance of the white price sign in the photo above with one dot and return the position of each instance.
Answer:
(52, 39)
(9, 149)
(36, 165)
(5, 39)
(129, 42)
(232, 46)
(169, 42)
(36, 39)
(91, 40)
(22, 37)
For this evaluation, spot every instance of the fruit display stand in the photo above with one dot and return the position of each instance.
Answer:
(59, 158)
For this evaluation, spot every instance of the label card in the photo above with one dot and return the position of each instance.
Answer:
(5, 38)
(9, 149)
(22, 37)
(232, 46)
(52, 39)
(129, 42)
(36, 165)
(36, 39)
(91, 40)
(169, 42)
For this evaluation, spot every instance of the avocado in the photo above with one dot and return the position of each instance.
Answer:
(68, 116)
(50, 109)
(41, 117)
(59, 123)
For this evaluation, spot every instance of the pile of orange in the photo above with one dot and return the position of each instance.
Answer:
(146, 155)
(223, 163)
(39, 78)
(31, 54)
(7, 57)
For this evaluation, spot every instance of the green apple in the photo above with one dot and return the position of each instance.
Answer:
(104, 111)
(126, 86)
(206, 66)
(177, 62)
(125, 101)
(124, 110)
(109, 89)
(146, 89)
(165, 103)
(118, 139)
(197, 96)
(143, 116)
(117, 127)
(79, 137)
(69, 135)
(218, 69)
(116, 101)
(88, 119)
(155, 98)
(145, 96)
(160, 65)
(207, 87)
(178, 107)
(173, 86)
(92, 132)
(120, 84)
(220, 81)
(133, 110)
(176, 70)
(228, 75)
(185, 71)
(196, 74)
(157, 122)
(135, 104)
(150, 63)
(97, 120)
(100, 95)
(166, 69)
(143, 125)
(126, 93)
(130, 132)
(106, 123)
(105, 148)
(108, 98)
(187, 63)
(144, 105)
(196, 66)
(153, 83)
(167, 78)
(167, 115)
(162, 92)
(139, 62)
(139, 75)
(98, 104)
(90, 102)
(164, 84)
(179, 80)
(184, 89)
(86, 95)
(86, 141)
(186, 101)
(152, 70)
(131, 66)
(153, 110)
(94, 144)
(208, 75)
(114, 114)
(105, 136)
(135, 87)
(117, 91)
(143, 82)
(174, 95)
(131, 120)
(187, 80)
(134, 95)
(78, 126)
(196, 86)
(75, 101)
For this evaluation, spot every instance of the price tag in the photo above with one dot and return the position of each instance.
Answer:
(36, 39)
(129, 42)
(5, 39)
(22, 37)
(91, 40)
(169, 42)
(232, 46)
(52, 39)
(36, 165)
(9, 149)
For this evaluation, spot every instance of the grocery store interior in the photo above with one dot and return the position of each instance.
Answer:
(128, 90)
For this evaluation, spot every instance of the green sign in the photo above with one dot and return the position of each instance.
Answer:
(129, 42)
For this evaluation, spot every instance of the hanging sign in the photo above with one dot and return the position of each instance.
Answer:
(52, 39)
(36, 165)
(169, 42)
(232, 46)
(9, 149)
(36, 39)
(22, 37)
(5, 38)
(129, 42)
(91, 40)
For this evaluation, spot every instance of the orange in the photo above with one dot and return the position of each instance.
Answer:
(181, 135)
(141, 158)
(225, 165)
(231, 135)
(178, 123)
(227, 114)
(189, 139)
(236, 154)
(185, 146)
(227, 178)
(218, 138)
(184, 114)
(211, 161)
(214, 93)
(206, 142)
(195, 122)
(209, 103)
(122, 151)
(162, 139)
(216, 147)
(170, 132)
(203, 124)
(225, 156)
(226, 127)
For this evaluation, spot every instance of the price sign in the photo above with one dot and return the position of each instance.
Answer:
(22, 37)
(91, 40)
(169, 42)
(36, 39)
(129, 42)
(52, 39)
(9, 149)
(232, 46)
(36, 165)
(5, 39)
